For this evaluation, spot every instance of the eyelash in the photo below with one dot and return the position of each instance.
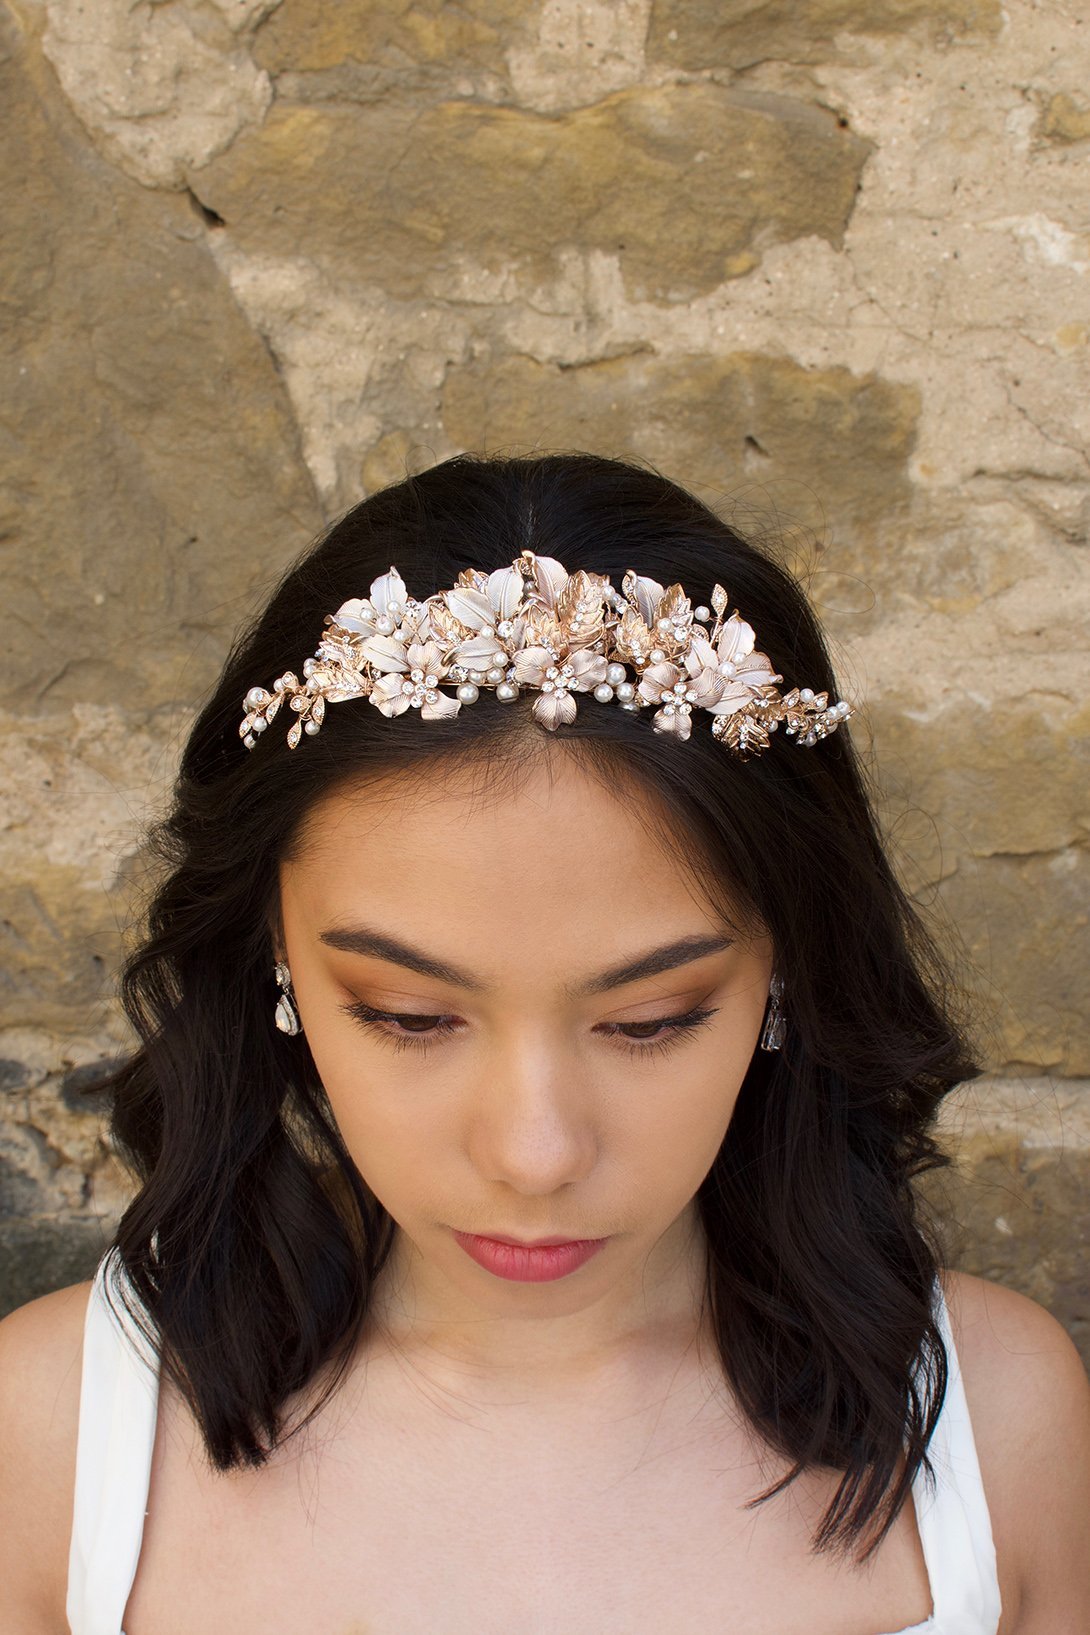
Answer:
(678, 1026)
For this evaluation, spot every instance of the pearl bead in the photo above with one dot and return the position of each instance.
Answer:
(496, 673)
(506, 691)
(702, 613)
(255, 697)
(385, 624)
(311, 727)
(657, 655)
(260, 724)
(626, 691)
(468, 693)
(476, 675)
(603, 692)
(615, 673)
(807, 695)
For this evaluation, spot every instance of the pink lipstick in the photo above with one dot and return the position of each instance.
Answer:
(529, 1263)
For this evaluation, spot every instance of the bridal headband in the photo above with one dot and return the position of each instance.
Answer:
(536, 627)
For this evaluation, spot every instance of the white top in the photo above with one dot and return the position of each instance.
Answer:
(119, 1394)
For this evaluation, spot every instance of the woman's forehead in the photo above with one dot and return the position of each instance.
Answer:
(557, 856)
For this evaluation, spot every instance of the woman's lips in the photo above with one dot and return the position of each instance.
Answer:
(529, 1263)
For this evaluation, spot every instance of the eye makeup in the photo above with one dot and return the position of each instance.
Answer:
(402, 1030)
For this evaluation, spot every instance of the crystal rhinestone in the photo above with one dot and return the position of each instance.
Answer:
(298, 703)
(431, 681)
(407, 687)
(417, 675)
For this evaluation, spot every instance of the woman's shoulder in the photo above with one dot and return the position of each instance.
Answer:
(41, 1353)
(1028, 1397)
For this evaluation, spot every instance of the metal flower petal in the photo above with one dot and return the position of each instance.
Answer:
(658, 679)
(554, 709)
(385, 653)
(530, 665)
(589, 667)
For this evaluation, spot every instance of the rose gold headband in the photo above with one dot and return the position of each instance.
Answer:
(534, 625)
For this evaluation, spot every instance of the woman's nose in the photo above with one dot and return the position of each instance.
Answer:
(531, 1124)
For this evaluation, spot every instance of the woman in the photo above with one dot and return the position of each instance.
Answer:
(537, 1052)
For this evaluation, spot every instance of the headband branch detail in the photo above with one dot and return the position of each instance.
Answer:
(535, 626)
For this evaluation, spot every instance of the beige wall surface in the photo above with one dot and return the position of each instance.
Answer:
(829, 265)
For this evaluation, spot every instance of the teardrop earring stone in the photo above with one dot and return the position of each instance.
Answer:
(775, 1028)
(286, 1019)
(775, 1031)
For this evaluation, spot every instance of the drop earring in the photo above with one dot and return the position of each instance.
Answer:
(775, 1027)
(287, 1017)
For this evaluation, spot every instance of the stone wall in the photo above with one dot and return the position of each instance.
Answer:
(828, 265)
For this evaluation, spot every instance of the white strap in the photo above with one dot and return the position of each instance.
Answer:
(955, 1526)
(119, 1393)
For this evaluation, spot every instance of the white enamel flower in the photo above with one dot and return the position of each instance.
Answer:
(411, 680)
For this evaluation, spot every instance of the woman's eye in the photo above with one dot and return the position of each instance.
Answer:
(410, 1029)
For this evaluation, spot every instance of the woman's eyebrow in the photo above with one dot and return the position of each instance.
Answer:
(362, 939)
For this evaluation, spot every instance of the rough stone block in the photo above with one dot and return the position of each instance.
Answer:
(684, 184)
(708, 34)
(836, 445)
(148, 452)
(1015, 1207)
(300, 36)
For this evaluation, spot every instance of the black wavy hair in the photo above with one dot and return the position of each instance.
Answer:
(253, 1243)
